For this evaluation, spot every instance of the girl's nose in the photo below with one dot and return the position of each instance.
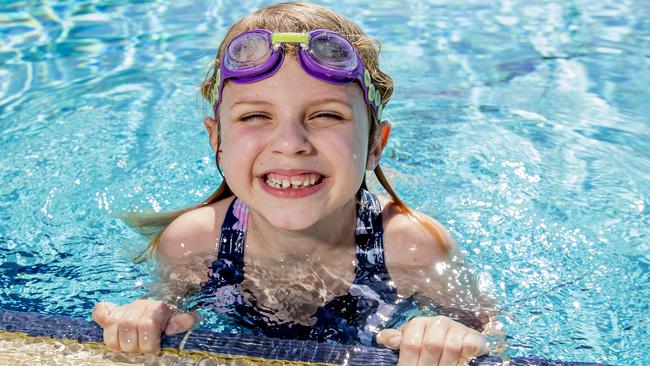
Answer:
(290, 137)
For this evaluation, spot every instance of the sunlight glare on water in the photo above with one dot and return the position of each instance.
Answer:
(521, 126)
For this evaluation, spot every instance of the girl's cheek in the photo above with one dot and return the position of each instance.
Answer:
(240, 150)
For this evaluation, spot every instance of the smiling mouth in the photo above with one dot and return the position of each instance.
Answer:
(299, 181)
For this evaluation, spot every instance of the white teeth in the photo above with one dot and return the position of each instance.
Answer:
(270, 182)
(307, 181)
(273, 183)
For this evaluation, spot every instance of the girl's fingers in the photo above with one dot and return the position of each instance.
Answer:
(412, 335)
(101, 311)
(128, 328)
(453, 345)
(137, 327)
(156, 317)
(474, 344)
(433, 342)
(181, 323)
(389, 338)
(111, 323)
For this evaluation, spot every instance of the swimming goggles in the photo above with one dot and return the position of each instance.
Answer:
(326, 55)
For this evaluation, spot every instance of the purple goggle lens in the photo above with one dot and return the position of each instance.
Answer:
(333, 51)
(247, 51)
(323, 54)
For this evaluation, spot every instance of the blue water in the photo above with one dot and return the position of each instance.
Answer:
(522, 126)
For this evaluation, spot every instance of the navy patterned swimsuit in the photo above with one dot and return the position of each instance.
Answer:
(352, 318)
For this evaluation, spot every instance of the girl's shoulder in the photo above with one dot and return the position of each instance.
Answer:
(195, 232)
(422, 258)
(414, 239)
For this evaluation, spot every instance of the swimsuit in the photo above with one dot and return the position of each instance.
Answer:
(351, 318)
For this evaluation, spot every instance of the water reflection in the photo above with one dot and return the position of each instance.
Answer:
(522, 126)
(303, 298)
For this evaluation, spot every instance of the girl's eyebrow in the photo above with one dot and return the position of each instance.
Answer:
(333, 100)
(251, 101)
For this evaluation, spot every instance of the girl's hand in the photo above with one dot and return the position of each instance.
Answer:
(136, 327)
(434, 341)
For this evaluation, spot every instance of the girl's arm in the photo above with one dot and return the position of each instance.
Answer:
(186, 246)
(424, 262)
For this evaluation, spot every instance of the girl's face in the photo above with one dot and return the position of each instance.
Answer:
(294, 147)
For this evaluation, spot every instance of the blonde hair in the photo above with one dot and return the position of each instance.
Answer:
(283, 17)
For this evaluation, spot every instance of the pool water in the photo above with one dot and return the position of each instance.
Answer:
(522, 126)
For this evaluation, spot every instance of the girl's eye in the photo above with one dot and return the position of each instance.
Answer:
(252, 117)
(328, 116)
(257, 116)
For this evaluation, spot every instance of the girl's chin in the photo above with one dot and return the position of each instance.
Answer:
(290, 219)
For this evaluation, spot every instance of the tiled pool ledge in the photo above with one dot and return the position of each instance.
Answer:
(239, 349)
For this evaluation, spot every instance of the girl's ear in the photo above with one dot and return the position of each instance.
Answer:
(378, 144)
(213, 130)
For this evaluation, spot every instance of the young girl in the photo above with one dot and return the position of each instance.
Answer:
(303, 249)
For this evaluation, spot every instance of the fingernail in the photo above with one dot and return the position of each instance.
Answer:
(395, 341)
(171, 329)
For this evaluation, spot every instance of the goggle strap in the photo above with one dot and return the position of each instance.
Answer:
(302, 38)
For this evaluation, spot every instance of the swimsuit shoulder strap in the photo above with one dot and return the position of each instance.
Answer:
(228, 268)
(369, 230)
(372, 281)
(369, 237)
(233, 232)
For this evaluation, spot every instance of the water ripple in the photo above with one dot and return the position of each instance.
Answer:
(521, 126)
